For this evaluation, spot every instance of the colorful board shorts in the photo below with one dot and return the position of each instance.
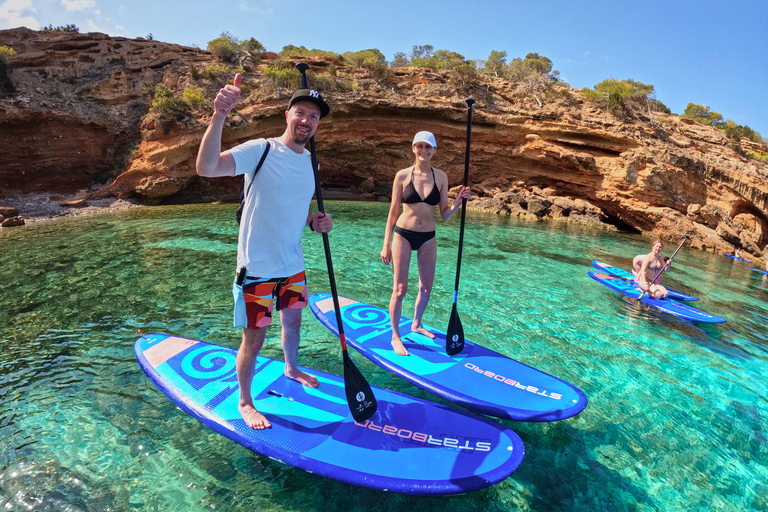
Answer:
(254, 300)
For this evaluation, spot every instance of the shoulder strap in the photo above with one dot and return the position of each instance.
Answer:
(244, 193)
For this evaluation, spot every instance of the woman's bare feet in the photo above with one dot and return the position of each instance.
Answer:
(252, 417)
(400, 349)
(302, 378)
(421, 330)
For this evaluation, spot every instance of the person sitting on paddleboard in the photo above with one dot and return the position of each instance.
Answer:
(637, 264)
(650, 264)
(270, 260)
(737, 253)
(420, 188)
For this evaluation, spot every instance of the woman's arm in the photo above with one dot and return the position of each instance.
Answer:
(446, 211)
(394, 211)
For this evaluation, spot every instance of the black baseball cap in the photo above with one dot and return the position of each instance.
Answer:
(313, 96)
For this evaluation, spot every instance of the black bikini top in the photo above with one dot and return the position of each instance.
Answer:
(410, 195)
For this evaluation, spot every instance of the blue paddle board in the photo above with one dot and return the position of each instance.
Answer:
(669, 306)
(738, 259)
(477, 378)
(409, 445)
(623, 274)
(758, 270)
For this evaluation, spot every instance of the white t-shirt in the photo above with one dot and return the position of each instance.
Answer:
(275, 209)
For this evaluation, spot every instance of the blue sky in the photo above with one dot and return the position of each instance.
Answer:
(708, 52)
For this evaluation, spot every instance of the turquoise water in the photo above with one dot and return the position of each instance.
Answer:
(677, 419)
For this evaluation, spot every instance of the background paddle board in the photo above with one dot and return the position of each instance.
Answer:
(734, 257)
(670, 306)
(410, 445)
(758, 270)
(477, 378)
(618, 272)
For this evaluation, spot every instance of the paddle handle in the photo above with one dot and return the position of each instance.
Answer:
(470, 102)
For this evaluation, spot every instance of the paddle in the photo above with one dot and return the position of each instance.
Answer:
(662, 267)
(360, 398)
(454, 337)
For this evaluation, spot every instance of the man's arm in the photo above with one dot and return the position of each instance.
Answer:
(211, 162)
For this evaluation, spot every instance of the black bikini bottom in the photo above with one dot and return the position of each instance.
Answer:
(415, 238)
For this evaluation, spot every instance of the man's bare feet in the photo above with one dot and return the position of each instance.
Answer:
(252, 417)
(400, 349)
(302, 378)
(421, 330)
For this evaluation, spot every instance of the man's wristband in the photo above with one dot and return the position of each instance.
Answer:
(310, 225)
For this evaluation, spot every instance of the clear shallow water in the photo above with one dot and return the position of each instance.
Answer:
(677, 419)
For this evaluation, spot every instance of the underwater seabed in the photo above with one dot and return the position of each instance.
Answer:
(677, 417)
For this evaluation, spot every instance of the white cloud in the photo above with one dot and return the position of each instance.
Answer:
(78, 5)
(92, 27)
(16, 13)
(259, 10)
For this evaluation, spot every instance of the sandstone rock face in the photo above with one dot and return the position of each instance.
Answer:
(80, 115)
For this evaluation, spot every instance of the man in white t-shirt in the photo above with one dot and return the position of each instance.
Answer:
(270, 261)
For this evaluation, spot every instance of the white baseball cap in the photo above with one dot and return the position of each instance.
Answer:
(425, 137)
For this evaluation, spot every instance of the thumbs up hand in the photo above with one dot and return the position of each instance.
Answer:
(228, 97)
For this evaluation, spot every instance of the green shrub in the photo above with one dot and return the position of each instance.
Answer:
(222, 48)
(463, 75)
(164, 102)
(301, 51)
(328, 83)
(6, 51)
(220, 72)
(194, 96)
(284, 77)
(760, 157)
(625, 95)
(702, 114)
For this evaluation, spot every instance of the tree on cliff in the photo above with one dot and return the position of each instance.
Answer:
(399, 60)
(495, 64)
(702, 114)
(534, 72)
(737, 132)
(371, 59)
(628, 97)
(230, 49)
(290, 50)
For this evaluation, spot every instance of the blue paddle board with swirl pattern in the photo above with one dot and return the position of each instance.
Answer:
(669, 306)
(409, 445)
(629, 276)
(477, 378)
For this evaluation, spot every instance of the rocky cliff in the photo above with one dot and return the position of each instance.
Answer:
(81, 117)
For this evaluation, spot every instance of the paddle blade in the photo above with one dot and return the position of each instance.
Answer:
(454, 337)
(360, 398)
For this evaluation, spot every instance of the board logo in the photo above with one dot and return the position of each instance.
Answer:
(403, 434)
(360, 396)
(512, 382)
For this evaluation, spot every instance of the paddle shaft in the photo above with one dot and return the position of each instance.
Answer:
(302, 67)
(470, 102)
(664, 265)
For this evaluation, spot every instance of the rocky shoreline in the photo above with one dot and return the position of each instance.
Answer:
(45, 206)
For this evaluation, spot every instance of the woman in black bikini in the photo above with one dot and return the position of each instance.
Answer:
(415, 231)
